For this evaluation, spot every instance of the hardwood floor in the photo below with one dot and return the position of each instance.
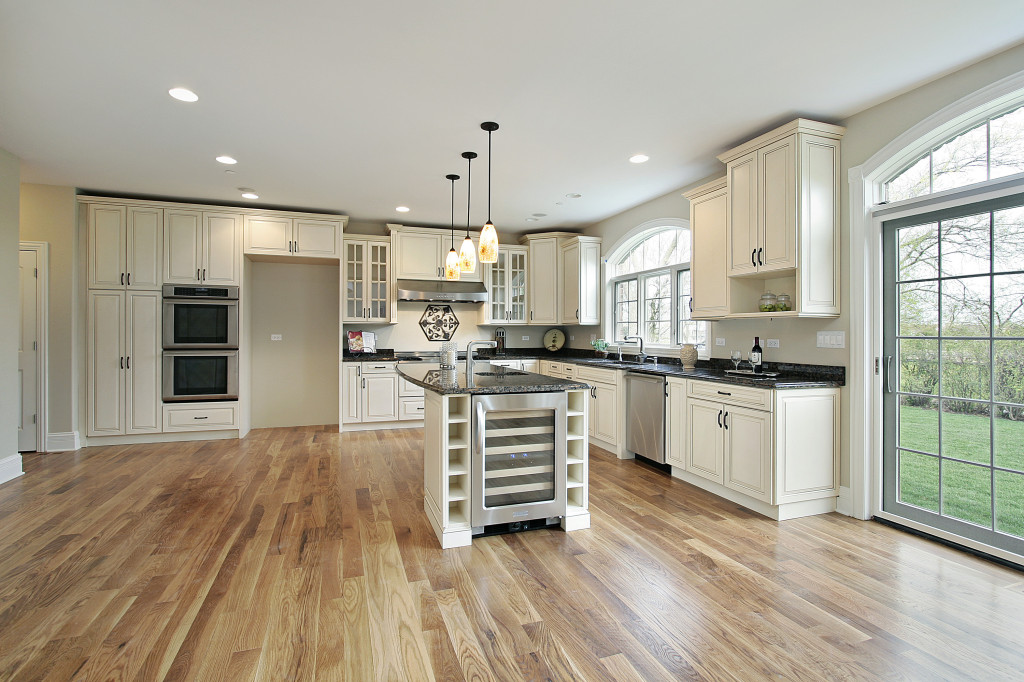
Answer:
(304, 554)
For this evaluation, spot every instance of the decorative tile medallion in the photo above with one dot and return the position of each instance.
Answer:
(439, 323)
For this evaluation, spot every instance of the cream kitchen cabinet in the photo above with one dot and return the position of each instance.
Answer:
(202, 247)
(676, 423)
(370, 392)
(420, 253)
(605, 412)
(125, 246)
(774, 451)
(581, 280)
(506, 287)
(543, 279)
(366, 280)
(783, 219)
(709, 266)
(123, 363)
(309, 238)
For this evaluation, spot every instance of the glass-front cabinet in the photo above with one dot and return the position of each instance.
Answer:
(506, 287)
(365, 281)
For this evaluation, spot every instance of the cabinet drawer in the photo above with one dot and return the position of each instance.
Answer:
(601, 376)
(746, 396)
(410, 408)
(512, 364)
(378, 367)
(407, 389)
(209, 417)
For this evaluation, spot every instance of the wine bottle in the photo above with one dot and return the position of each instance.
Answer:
(755, 356)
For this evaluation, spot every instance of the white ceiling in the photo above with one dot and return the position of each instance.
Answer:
(358, 107)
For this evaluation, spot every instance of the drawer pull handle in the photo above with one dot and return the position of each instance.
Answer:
(200, 417)
(724, 393)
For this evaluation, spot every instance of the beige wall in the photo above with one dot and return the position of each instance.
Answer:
(10, 309)
(295, 380)
(48, 215)
(407, 335)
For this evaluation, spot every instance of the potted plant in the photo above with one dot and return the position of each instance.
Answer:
(601, 346)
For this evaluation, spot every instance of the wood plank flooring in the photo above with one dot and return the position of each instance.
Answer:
(302, 554)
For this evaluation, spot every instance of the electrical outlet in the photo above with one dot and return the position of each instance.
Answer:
(572, 337)
(771, 343)
(526, 338)
(719, 341)
(275, 337)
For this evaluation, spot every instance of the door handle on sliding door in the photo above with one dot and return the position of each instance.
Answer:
(888, 374)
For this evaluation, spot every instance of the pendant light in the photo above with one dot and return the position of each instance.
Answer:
(467, 255)
(488, 235)
(451, 263)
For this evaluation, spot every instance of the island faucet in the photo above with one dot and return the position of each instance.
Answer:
(469, 355)
(641, 356)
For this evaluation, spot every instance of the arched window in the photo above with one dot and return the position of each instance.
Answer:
(993, 149)
(649, 287)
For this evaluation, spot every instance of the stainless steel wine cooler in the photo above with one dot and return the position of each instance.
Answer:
(519, 450)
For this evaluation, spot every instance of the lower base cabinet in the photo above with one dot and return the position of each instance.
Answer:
(774, 451)
(374, 392)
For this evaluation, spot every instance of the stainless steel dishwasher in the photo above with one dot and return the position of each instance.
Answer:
(645, 426)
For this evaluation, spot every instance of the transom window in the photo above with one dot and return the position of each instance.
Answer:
(992, 149)
(649, 287)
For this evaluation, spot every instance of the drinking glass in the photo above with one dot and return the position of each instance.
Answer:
(736, 358)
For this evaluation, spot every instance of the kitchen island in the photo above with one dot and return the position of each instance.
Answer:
(503, 449)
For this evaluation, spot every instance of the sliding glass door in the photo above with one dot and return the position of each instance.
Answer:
(954, 369)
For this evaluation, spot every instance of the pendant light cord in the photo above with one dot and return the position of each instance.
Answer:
(469, 189)
(488, 176)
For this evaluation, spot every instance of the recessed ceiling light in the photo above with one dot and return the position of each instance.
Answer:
(532, 220)
(183, 94)
(402, 209)
(230, 172)
(227, 159)
(248, 193)
(573, 195)
(540, 215)
(639, 158)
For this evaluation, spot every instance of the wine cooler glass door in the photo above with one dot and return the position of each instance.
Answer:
(519, 457)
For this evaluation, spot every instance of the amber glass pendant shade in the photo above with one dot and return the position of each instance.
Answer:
(451, 266)
(467, 256)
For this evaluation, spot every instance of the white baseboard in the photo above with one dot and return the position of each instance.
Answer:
(10, 468)
(844, 504)
(63, 442)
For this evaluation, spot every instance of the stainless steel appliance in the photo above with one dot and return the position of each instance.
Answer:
(200, 317)
(645, 426)
(196, 375)
(518, 463)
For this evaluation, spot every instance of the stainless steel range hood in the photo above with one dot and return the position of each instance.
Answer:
(441, 291)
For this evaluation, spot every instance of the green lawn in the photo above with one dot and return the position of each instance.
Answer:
(967, 490)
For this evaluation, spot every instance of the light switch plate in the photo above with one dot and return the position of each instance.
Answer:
(275, 337)
(771, 343)
(526, 338)
(719, 341)
(831, 339)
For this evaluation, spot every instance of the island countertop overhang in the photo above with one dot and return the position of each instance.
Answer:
(487, 379)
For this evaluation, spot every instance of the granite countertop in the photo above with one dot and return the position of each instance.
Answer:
(495, 379)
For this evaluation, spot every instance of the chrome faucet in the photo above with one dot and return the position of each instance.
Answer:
(469, 355)
(641, 356)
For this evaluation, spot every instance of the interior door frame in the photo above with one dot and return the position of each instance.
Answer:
(42, 251)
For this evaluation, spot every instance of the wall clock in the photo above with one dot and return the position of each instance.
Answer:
(554, 339)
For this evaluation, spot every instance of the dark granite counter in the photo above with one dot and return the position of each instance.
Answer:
(486, 378)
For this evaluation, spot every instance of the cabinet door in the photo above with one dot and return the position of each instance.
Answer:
(222, 243)
(496, 280)
(543, 278)
(143, 399)
(748, 443)
(353, 281)
(316, 238)
(378, 299)
(570, 272)
(709, 266)
(268, 235)
(418, 256)
(742, 210)
(675, 424)
(777, 201)
(590, 283)
(604, 413)
(145, 247)
(705, 440)
(531, 366)
(351, 393)
(107, 246)
(183, 237)
(380, 397)
(106, 363)
(516, 280)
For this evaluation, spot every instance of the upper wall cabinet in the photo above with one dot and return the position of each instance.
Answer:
(420, 252)
(125, 244)
(581, 280)
(310, 238)
(366, 280)
(506, 287)
(709, 268)
(543, 278)
(783, 219)
(202, 247)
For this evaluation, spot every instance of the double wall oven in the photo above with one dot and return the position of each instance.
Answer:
(200, 340)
